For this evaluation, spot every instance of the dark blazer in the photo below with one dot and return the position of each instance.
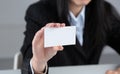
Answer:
(39, 14)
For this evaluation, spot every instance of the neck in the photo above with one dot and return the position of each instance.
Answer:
(75, 9)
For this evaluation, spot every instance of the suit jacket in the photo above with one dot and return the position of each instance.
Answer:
(39, 14)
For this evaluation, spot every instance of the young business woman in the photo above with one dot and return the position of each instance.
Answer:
(97, 22)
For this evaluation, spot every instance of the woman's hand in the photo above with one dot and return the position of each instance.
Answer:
(41, 55)
(113, 71)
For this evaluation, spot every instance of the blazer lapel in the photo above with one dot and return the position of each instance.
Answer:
(78, 46)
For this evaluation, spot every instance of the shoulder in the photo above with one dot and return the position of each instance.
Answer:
(113, 19)
(37, 8)
(111, 13)
(111, 10)
(108, 8)
(40, 10)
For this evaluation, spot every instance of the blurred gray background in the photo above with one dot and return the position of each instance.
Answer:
(12, 26)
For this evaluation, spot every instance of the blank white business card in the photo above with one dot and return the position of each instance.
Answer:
(59, 36)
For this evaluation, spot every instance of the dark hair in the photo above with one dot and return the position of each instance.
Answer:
(98, 18)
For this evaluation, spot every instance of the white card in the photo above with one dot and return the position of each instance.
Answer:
(59, 36)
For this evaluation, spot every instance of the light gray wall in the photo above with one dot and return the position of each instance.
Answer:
(12, 11)
(12, 25)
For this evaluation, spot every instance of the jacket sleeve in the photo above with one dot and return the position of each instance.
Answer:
(26, 67)
(113, 35)
(37, 16)
(32, 26)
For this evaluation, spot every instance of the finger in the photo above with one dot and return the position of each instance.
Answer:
(109, 72)
(58, 48)
(118, 70)
(61, 48)
(63, 25)
(57, 25)
(51, 25)
(112, 72)
(60, 25)
(55, 48)
(48, 25)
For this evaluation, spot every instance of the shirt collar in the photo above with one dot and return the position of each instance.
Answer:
(80, 15)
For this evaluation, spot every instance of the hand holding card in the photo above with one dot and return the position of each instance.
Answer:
(59, 36)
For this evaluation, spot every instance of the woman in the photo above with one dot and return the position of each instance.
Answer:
(97, 22)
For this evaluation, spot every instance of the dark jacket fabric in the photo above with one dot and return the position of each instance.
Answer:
(39, 14)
